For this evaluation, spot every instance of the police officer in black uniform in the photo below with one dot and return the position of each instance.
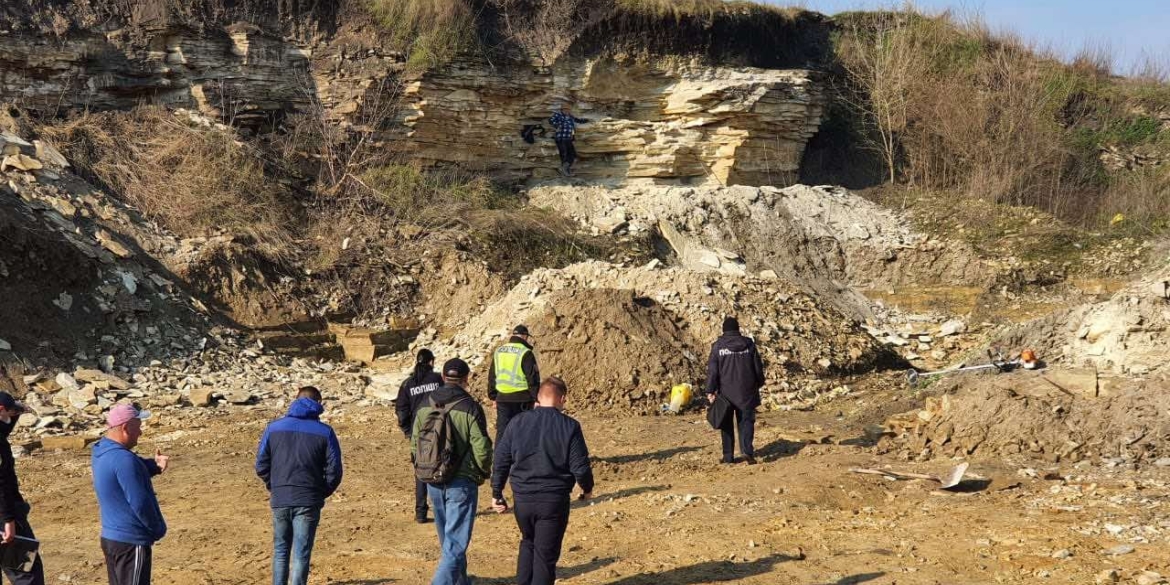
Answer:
(422, 381)
(736, 371)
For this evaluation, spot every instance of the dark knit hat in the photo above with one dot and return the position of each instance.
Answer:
(730, 325)
(456, 369)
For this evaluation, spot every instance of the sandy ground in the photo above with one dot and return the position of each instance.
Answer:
(665, 513)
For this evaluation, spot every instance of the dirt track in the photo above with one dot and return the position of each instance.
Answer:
(665, 513)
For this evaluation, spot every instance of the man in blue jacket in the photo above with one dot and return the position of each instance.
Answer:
(543, 453)
(299, 460)
(131, 519)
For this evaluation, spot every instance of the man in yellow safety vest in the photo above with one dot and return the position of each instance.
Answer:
(513, 379)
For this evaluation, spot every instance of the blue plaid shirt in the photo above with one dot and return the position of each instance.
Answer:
(565, 124)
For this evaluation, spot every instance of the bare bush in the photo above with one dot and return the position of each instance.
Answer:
(193, 179)
(544, 29)
(881, 55)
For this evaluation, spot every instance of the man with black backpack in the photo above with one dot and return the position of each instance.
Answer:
(453, 456)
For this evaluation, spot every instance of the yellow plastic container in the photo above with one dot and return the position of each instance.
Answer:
(680, 396)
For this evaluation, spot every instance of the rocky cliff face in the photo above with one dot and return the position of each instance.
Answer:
(666, 120)
(657, 118)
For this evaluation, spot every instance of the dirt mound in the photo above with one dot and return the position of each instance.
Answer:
(1022, 416)
(1127, 334)
(615, 348)
(624, 335)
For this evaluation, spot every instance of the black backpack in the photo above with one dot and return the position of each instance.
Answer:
(435, 461)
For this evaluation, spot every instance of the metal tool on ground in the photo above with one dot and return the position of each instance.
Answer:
(999, 363)
(948, 481)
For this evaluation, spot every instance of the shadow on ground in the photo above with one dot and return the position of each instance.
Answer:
(708, 572)
(779, 448)
(855, 579)
(562, 572)
(609, 497)
(656, 456)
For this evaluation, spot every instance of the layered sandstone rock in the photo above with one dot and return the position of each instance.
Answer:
(658, 119)
(663, 121)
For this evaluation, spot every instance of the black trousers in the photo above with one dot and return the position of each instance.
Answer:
(420, 499)
(504, 413)
(745, 419)
(36, 576)
(542, 530)
(127, 564)
(567, 151)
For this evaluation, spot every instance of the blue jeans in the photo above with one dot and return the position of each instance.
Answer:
(293, 528)
(455, 505)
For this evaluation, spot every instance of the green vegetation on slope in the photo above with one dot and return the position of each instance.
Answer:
(948, 105)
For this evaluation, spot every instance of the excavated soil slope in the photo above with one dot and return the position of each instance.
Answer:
(1019, 416)
(1127, 334)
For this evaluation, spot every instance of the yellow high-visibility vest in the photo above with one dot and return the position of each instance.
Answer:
(507, 362)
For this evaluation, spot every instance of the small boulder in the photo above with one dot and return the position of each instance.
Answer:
(66, 443)
(202, 397)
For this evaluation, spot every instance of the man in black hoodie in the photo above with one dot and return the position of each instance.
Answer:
(414, 390)
(13, 509)
(735, 370)
(544, 453)
(513, 378)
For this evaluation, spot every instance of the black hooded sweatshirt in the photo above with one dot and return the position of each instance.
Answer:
(736, 370)
(411, 394)
(10, 499)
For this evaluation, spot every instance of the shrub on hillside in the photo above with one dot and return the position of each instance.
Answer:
(192, 179)
(949, 105)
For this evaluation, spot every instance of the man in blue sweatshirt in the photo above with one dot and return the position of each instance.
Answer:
(543, 452)
(299, 460)
(131, 519)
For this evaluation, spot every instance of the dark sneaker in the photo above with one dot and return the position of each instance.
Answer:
(564, 170)
(727, 460)
(421, 519)
(750, 460)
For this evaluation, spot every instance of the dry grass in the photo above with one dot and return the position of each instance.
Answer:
(431, 32)
(191, 179)
(706, 9)
(950, 105)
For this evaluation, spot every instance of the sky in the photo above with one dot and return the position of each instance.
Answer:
(1130, 28)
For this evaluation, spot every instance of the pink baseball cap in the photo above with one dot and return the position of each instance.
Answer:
(124, 413)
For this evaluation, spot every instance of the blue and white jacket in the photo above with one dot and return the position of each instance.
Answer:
(299, 457)
(565, 124)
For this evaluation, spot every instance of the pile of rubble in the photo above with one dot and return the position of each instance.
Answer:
(824, 238)
(1127, 334)
(623, 335)
(231, 372)
(1056, 415)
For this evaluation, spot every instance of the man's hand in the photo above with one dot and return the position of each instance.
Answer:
(711, 398)
(493, 404)
(9, 531)
(585, 496)
(500, 505)
(161, 460)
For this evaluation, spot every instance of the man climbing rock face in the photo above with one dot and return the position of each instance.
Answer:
(566, 127)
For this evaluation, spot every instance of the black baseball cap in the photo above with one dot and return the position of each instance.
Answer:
(520, 330)
(456, 369)
(9, 403)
